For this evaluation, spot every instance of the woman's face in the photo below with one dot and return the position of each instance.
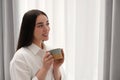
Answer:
(41, 31)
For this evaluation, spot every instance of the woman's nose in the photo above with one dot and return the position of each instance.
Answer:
(46, 28)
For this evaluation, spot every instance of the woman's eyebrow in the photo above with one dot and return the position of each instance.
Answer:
(41, 22)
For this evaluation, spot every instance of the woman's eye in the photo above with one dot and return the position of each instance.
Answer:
(40, 26)
(48, 24)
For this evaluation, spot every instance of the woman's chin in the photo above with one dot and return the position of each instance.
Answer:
(46, 39)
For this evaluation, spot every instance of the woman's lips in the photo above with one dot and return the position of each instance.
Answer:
(45, 35)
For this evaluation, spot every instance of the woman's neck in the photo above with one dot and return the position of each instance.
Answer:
(39, 44)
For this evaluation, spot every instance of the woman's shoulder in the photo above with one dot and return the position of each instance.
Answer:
(19, 58)
(20, 53)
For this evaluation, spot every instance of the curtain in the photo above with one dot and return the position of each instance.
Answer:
(1, 43)
(74, 28)
(108, 34)
(6, 37)
(87, 39)
(115, 52)
(112, 40)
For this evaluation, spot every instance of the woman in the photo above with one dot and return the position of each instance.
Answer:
(32, 61)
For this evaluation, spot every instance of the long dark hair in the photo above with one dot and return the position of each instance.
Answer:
(27, 28)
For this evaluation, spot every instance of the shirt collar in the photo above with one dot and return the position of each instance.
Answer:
(35, 49)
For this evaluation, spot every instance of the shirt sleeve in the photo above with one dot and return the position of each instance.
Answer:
(19, 70)
(35, 78)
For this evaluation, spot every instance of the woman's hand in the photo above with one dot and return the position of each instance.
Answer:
(47, 61)
(56, 65)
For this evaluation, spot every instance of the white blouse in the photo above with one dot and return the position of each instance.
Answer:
(26, 63)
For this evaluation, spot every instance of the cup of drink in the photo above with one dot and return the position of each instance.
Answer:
(56, 53)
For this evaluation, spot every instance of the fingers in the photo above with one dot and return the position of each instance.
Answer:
(47, 54)
(48, 57)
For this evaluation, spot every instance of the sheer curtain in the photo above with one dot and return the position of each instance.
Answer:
(87, 39)
(74, 27)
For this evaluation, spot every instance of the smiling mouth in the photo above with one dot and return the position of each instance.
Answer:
(45, 35)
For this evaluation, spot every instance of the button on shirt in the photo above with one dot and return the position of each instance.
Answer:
(27, 61)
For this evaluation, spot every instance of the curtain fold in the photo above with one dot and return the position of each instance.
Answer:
(108, 33)
(6, 38)
(115, 49)
(1, 45)
(112, 40)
